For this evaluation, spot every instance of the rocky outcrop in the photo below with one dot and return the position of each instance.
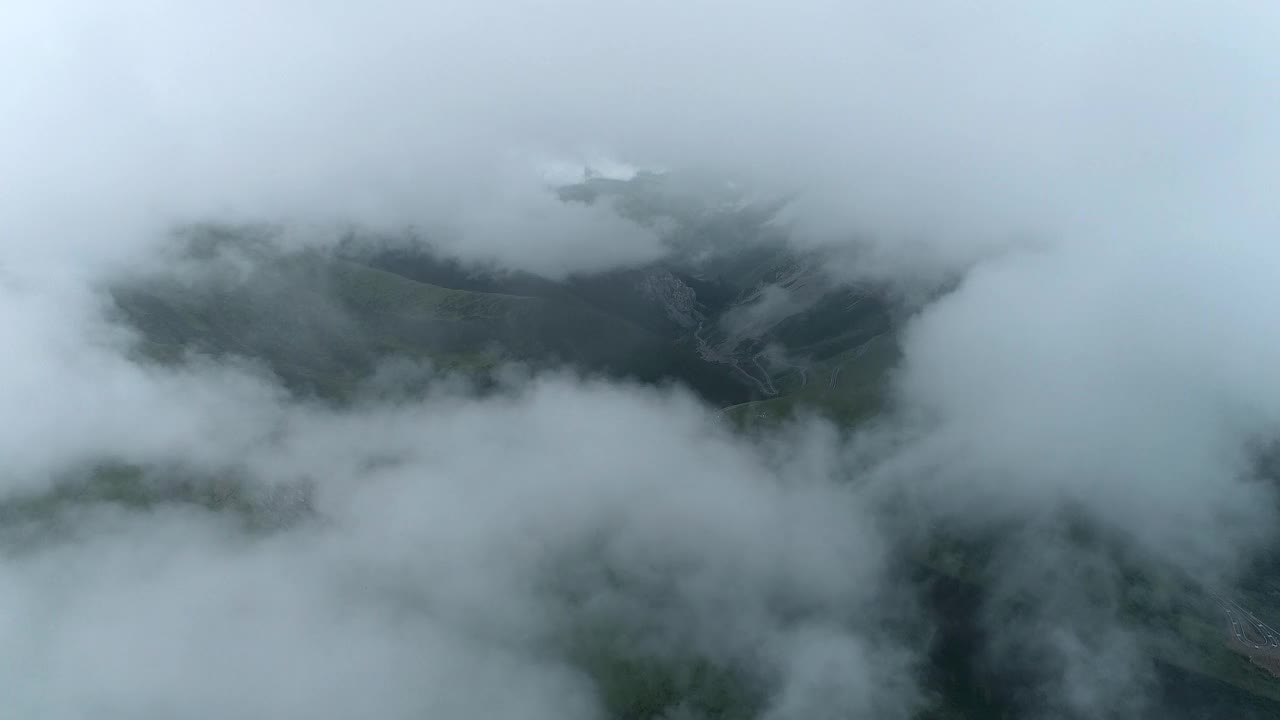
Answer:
(676, 298)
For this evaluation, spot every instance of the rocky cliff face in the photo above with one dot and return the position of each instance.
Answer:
(676, 298)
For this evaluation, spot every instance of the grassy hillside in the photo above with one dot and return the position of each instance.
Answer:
(847, 388)
(322, 324)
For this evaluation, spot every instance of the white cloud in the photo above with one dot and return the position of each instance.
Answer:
(1107, 171)
(459, 562)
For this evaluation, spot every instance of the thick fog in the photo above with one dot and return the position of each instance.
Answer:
(1099, 175)
(937, 134)
(464, 556)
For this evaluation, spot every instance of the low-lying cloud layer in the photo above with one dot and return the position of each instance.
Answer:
(1102, 174)
(468, 557)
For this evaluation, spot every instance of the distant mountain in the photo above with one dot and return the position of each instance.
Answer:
(733, 313)
(322, 324)
(323, 321)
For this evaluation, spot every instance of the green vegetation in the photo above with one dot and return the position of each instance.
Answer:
(847, 388)
(140, 489)
(635, 686)
(323, 324)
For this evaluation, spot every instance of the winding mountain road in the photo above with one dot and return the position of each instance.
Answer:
(1247, 629)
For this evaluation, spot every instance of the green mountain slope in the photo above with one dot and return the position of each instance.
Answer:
(322, 324)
